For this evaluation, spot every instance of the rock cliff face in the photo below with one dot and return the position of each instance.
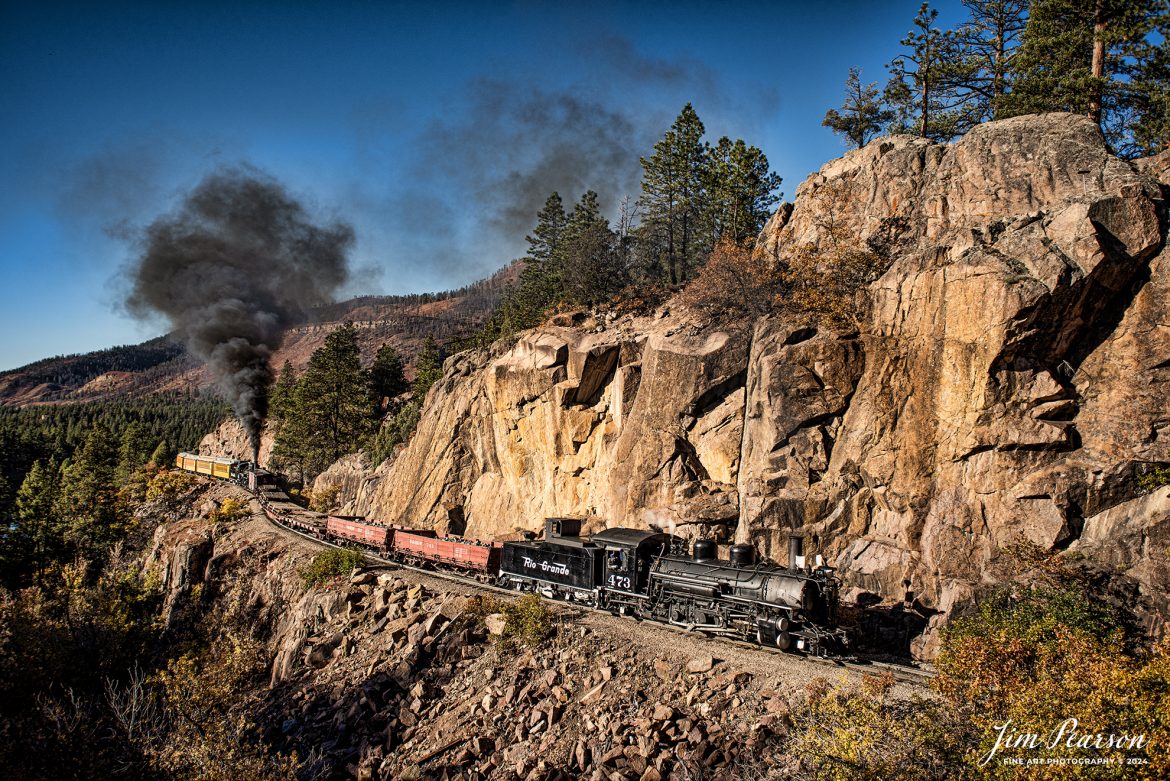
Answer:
(231, 441)
(1010, 382)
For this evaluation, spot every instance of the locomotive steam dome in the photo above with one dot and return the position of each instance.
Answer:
(742, 555)
(705, 550)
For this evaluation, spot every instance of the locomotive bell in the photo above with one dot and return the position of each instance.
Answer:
(705, 550)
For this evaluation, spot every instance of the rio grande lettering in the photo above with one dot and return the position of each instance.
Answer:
(545, 566)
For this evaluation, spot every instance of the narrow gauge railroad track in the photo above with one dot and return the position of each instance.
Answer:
(903, 673)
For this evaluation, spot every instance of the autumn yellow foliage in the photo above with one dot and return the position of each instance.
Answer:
(1049, 657)
(229, 510)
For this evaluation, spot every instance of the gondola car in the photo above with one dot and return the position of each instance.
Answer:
(466, 555)
(365, 533)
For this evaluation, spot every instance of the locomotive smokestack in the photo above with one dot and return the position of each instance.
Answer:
(795, 551)
(231, 269)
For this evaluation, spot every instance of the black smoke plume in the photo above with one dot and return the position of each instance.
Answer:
(237, 263)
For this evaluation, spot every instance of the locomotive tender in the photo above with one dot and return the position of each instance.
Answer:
(637, 572)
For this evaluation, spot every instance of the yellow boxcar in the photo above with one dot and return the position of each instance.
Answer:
(221, 469)
(203, 466)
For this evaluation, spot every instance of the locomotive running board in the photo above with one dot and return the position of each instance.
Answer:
(718, 630)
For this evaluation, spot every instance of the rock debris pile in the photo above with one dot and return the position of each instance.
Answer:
(389, 679)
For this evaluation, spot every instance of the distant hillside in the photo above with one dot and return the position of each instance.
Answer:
(161, 364)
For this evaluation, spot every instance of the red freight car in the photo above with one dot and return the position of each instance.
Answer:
(457, 552)
(375, 535)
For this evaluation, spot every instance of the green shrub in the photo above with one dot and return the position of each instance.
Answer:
(845, 732)
(527, 621)
(332, 563)
(482, 605)
(1155, 479)
(325, 500)
(396, 431)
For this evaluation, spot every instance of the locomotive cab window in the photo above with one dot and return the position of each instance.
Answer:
(616, 559)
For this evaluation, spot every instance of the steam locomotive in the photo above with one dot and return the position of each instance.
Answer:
(637, 572)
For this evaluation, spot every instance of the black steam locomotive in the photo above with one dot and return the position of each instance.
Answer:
(636, 572)
(652, 576)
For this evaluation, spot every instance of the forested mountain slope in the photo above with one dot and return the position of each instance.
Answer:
(162, 365)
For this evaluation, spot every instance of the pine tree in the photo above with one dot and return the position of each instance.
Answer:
(862, 115)
(1094, 58)
(1149, 117)
(740, 191)
(546, 236)
(280, 399)
(38, 524)
(133, 451)
(331, 412)
(922, 90)
(590, 258)
(162, 455)
(586, 213)
(540, 284)
(672, 199)
(387, 379)
(986, 45)
(88, 504)
(428, 368)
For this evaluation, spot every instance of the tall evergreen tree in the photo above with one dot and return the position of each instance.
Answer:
(672, 199)
(87, 503)
(586, 212)
(133, 451)
(162, 455)
(1149, 116)
(922, 90)
(985, 48)
(546, 236)
(592, 263)
(540, 284)
(387, 379)
(331, 413)
(38, 530)
(1093, 58)
(281, 398)
(740, 191)
(862, 115)
(428, 368)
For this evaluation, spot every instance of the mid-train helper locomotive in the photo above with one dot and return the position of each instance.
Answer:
(637, 572)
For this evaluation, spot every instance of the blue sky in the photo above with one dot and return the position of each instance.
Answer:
(435, 128)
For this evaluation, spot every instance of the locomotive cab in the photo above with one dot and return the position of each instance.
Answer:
(629, 554)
